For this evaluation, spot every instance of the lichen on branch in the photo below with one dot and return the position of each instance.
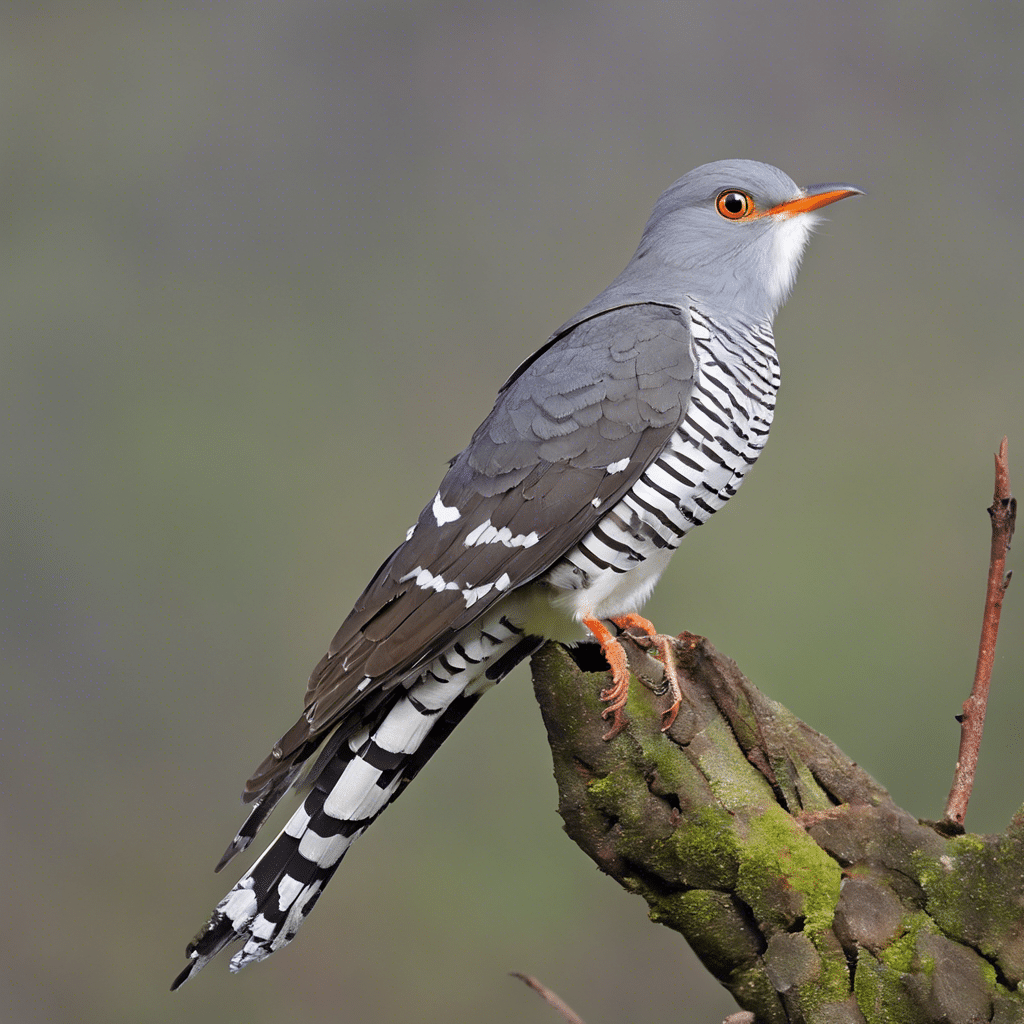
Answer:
(803, 888)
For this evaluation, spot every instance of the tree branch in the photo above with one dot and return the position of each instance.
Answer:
(800, 884)
(551, 998)
(1003, 513)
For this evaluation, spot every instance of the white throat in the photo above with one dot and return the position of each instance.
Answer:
(790, 235)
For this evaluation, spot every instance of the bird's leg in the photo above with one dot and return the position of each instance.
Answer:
(617, 693)
(663, 644)
(615, 655)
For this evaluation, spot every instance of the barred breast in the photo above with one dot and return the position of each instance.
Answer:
(725, 427)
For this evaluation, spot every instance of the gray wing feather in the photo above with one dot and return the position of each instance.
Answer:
(613, 387)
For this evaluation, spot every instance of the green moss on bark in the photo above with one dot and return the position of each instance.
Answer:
(739, 828)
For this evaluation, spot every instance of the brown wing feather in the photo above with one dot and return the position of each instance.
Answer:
(612, 388)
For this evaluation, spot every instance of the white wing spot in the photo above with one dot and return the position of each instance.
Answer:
(473, 594)
(411, 531)
(426, 580)
(444, 513)
(617, 467)
(596, 502)
(476, 535)
(486, 533)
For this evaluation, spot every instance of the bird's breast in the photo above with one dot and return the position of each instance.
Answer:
(725, 426)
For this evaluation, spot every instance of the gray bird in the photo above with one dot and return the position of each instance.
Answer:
(635, 422)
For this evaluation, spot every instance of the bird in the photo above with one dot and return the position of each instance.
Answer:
(635, 422)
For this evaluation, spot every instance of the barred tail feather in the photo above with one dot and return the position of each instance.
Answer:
(365, 772)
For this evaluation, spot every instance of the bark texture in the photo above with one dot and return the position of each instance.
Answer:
(800, 884)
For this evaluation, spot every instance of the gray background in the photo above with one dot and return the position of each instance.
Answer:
(267, 264)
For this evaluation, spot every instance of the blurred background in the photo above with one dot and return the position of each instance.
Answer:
(267, 264)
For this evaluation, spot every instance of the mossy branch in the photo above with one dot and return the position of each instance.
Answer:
(800, 884)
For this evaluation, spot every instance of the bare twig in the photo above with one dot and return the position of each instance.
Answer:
(550, 998)
(1003, 513)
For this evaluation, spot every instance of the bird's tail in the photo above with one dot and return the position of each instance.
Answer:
(356, 777)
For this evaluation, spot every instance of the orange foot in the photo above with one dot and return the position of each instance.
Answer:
(616, 694)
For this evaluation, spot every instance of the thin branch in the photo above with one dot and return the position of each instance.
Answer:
(550, 998)
(1003, 513)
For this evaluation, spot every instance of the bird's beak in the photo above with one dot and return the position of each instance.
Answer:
(815, 197)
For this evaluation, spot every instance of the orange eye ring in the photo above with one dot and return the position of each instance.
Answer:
(734, 204)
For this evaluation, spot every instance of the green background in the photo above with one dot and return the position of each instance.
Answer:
(266, 265)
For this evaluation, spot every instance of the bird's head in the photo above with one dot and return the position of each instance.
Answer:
(731, 235)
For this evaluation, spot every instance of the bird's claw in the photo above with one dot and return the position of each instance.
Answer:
(615, 696)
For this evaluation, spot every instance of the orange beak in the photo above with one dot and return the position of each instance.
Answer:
(815, 197)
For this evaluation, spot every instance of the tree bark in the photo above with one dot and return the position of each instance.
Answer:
(800, 884)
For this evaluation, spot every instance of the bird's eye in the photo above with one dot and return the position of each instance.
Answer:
(734, 205)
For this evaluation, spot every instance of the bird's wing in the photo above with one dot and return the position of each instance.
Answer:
(532, 482)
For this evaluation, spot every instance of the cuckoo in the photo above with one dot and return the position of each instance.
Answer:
(636, 421)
